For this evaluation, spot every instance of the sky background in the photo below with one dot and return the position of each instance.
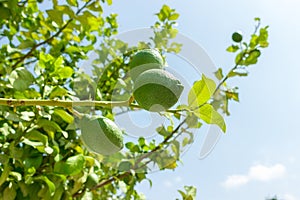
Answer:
(259, 156)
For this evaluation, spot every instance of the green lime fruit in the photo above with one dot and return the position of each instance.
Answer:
(101, 135)
(144, 60)
(157, 90)
(92, 180)
(237, 37)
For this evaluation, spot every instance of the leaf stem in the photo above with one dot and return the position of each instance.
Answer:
(227, 76)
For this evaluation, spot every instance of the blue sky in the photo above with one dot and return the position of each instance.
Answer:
(259, 155)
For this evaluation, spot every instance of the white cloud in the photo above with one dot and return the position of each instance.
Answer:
(255, 173)
(289, 197)
(264, 173)
(235, 181)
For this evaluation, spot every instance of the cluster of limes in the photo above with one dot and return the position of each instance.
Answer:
(155, 90)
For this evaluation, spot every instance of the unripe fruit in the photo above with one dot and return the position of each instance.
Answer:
(237, 37)
(101, 135)
(157, 90)
(144, 60)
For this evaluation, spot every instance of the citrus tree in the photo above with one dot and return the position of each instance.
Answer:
(58, 136)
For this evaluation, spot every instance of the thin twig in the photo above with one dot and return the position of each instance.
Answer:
(234, 68)
(108, 181)
(227, 76)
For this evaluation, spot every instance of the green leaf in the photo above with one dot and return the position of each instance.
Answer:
(125, 166)
(26, 44)
(232, 95)
(163, 131)
(233, 48)
(133, 147)
(191, 191)
(219, 74)
(142, 141)
(44, 58)
(72, 166)
(109, 2)
(189, 194)
(192, 121)
(58, 64)
(21, 79)
(247, 58)
(35, 135)
(10, 192)
(64, 115)
(5, 13)
(65, 10)
(56, 16)
(58, 91)
(32, 143)
(4, 174)
(33, 162)
(129, 145)
(12, 116)
(49, 126)
(95, 6)
(252, 57)
(239, 58)
(72, 2)
(254, 41)
(173, 16)
(263, 37)
(64, 72)
(201, 92)
(50, 184)
(209, 115)
(237, 73)
(4, 159)
(16, 175)
(164, 13)
(175, 146)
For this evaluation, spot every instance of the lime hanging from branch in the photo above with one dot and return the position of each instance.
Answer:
(237, 36)
(157, 90)
(144, 60)
(101, 135)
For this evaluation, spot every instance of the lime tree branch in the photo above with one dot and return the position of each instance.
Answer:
(61, 103)
(245, 52)
(27, 55)
(227, 75)
(234, 68)
(159, 146)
